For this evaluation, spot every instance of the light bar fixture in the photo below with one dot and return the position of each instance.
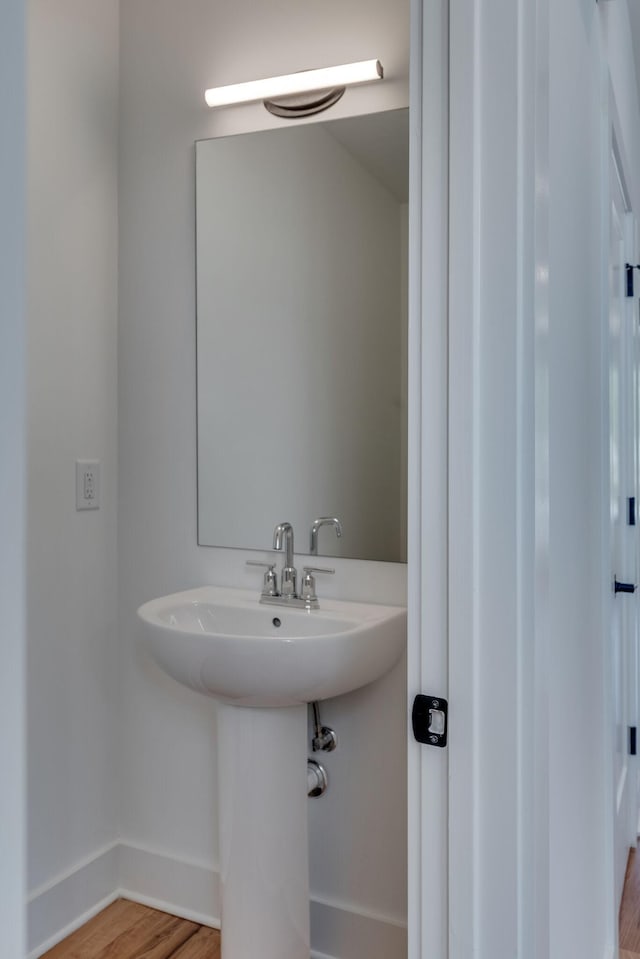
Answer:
(306, 81)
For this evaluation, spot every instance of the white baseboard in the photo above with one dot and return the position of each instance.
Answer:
(186, 889)
(58, 908)
(340, 931)
(192, 891)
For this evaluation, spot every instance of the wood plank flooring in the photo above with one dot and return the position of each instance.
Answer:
(127, 930)
(630, 910)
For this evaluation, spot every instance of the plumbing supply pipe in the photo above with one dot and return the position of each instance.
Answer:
(317, 781)
(324, 738)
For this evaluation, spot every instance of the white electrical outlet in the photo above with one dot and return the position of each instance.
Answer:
(87, 484)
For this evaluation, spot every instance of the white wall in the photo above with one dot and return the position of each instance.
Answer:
(12, 475)
(72, 414)
(170, 52)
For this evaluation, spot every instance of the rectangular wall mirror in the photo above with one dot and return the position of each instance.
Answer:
(301, 330)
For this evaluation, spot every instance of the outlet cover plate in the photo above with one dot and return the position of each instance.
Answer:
(87, 484)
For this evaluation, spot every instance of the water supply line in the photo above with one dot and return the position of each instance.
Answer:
(324, 738)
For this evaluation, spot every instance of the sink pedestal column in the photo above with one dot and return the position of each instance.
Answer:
(264, 860)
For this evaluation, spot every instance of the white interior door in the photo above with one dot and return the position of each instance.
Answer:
(633, 479)
(623, 567)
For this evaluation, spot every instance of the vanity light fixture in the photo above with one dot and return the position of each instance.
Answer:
(298, 94)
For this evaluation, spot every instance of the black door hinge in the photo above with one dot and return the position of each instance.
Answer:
(630, 267)
(429, 718)
(633, 733)
(619, 587)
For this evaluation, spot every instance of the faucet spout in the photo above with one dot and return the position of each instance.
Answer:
(284, 531)
(283, 538)
(323, 521)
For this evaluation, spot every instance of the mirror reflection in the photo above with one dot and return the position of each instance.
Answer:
(301, 330)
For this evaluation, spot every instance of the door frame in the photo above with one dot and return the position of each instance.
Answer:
(427, 600)
(498, 517)
(12, 476)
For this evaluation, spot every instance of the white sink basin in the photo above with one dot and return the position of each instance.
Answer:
(224, 643)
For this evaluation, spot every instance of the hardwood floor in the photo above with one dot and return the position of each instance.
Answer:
(630, 910)
(126, 930)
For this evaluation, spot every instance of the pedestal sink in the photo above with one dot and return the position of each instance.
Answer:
(264, 664)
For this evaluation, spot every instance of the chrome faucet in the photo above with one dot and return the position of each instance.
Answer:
(288, 594)
(284, 533)
(323, 521)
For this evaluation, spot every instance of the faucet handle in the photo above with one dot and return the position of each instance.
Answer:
(308, 589)
(270, 581)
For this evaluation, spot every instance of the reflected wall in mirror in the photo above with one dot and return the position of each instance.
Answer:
(302, 309)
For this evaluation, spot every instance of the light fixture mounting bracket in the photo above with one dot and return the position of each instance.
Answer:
(304, 104)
